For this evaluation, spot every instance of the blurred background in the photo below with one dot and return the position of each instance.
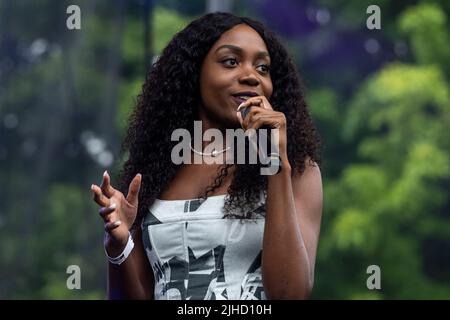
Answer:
(380, 99)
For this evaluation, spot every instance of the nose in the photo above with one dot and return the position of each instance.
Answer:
(248, 77)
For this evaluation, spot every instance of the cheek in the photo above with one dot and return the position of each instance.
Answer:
(268, 89)
(219, 79)
(215, 85)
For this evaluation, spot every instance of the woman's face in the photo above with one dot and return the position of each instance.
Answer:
(236, 66)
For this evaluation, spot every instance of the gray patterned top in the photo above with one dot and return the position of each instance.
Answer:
(196, 253)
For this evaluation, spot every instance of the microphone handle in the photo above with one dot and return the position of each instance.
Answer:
(273, 156)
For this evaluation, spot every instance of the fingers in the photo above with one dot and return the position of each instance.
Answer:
(106, 187)
(258, 117)
(250, 117)
(254, 101)
(112, 225)
(99, 197)
(102, 197)
(133, 190)
(239, 116)
(259, 101)
(259, 120)
(105, 212)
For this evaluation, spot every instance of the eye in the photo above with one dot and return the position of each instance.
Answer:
(231, 62)
(264, 68)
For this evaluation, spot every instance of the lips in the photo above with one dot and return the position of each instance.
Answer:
(243, 96)
(238, 100)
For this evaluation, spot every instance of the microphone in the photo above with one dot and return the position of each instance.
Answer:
(271, 158)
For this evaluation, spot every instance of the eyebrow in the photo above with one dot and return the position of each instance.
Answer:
(259, 54)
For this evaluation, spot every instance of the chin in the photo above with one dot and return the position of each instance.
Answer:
(230, 122)
(235, 124)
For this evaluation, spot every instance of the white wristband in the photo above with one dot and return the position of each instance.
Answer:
(125, 253)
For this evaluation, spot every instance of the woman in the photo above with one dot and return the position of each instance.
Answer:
(215, 231)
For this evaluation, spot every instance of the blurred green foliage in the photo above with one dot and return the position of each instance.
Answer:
(391, 203)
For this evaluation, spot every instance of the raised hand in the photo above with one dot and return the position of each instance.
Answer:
(118, 212)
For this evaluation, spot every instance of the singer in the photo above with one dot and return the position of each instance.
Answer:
(215, 231)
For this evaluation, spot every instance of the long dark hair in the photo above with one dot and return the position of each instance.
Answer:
(169, 100)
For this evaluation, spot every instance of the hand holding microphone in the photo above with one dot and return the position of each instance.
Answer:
(257, 113)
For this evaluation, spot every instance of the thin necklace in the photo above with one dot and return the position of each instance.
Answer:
(214, 153)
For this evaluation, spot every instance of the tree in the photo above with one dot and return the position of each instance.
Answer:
(391, 203)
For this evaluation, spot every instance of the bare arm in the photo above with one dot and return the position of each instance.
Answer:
(294, 210)
(133, 279)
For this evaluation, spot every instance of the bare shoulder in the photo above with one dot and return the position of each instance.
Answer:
(311, 174)
(307, 187)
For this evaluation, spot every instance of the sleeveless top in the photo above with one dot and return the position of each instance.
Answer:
(197, 253)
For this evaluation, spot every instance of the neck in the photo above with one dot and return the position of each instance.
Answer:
(208, 123)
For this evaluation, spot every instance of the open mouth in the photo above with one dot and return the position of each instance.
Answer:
(240, 99)
(243, 96)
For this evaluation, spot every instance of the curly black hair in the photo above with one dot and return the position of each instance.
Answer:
(161, 108)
